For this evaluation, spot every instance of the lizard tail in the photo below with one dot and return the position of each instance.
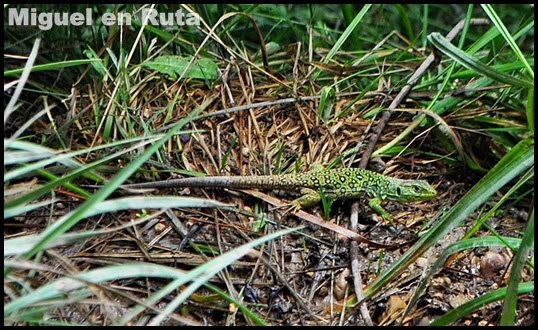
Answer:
(261, 181)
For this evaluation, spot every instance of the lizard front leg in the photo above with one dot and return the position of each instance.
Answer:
(375, 205)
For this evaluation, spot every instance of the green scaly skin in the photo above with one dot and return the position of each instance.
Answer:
(345, 183)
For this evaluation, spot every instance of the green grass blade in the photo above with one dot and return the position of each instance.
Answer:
(524, 178)
(530, 111)
(470, 306)
(51, 66)
(471, 63)
(507, 36)
(347, 12)
(51, 156)
(348, 31)
(402, 11)
(508, 315)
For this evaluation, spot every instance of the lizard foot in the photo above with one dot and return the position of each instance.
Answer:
(291, 208)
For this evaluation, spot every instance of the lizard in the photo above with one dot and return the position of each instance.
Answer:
(336, 184)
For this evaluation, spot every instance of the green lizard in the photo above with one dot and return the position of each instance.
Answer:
(345, 183)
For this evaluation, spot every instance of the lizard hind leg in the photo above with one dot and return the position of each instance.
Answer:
(309, 197)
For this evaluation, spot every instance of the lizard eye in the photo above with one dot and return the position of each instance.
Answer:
(417, 188)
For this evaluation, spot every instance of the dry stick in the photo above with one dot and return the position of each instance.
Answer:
(354, 247)
(407, 88)
(355, 269)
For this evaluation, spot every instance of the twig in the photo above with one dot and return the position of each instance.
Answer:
(357, 278)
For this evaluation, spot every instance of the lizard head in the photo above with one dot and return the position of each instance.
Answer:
(410, 191)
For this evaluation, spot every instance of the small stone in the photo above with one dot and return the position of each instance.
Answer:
(491, 264)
